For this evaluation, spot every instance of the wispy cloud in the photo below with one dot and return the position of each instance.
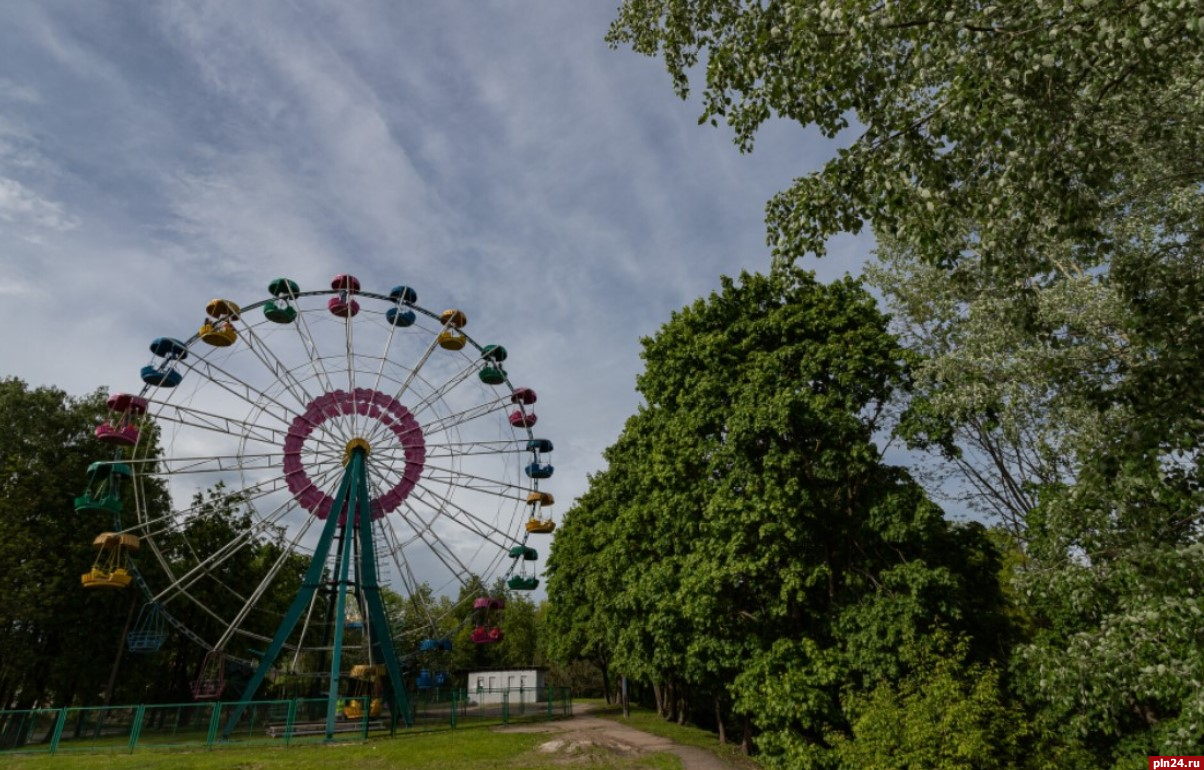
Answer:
(22, 207)
(18, 92)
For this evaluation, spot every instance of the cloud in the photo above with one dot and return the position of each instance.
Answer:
(18, 92)
(21, 206)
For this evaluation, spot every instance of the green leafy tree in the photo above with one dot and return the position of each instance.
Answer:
(577, 626)
(59, 640)
(520, 645)
(761, 559)
(946, 714)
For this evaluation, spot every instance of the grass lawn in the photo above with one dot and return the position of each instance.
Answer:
(475, 749)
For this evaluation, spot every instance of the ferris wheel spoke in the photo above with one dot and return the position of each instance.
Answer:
(384, 357)
(312, 353)
(239, 388)
(408, 382)
(178, 523)
(482, 529)
(190, 417)
(442, 551)
(405, 570)
(465, 480)
(313, 603)
(215, 423)
(275, 366)
(460, 418)
(268, 579)
(396, 551)
(422, 360)
(349, 352)
(470, 448)
(247, 494)
(220, 555)
(171, 466)
(435, 396)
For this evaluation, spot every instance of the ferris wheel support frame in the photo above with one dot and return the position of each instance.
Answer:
(351, 511)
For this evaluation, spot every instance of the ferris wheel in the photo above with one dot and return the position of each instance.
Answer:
(321, 481)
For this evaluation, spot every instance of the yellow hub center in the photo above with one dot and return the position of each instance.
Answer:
(356, 443)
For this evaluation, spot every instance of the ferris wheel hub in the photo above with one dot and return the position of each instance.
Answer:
(356, 443)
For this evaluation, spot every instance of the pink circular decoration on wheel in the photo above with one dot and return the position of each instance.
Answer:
(367, 403)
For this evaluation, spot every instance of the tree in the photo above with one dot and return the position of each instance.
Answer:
(58, 640)
(575, 623)
(520, 630)
(1071, 410)
(760, 560)
(945, 714)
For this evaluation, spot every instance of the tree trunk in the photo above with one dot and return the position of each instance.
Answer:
(660, 698)
(719, 726)
(605, 680)
(746, 744)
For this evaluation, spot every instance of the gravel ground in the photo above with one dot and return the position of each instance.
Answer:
(584, 734)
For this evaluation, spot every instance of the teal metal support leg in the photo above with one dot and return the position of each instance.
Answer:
(313, 579)
(355, 474)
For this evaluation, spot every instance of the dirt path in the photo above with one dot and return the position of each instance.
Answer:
(583, 733)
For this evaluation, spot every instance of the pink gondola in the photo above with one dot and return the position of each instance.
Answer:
(520, 419)
(524, 396)
(343, 305)
(120, 428)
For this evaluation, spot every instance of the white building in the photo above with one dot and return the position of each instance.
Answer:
(524, 685)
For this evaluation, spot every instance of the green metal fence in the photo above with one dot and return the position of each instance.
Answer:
(123, 729)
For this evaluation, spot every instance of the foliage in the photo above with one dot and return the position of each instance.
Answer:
(945, 714)
(576, 626)
(52, 632)
(1033, 174)
(746, 551)
(1072, 411)
(1024, 119)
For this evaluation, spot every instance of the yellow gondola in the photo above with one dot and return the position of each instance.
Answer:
(536, 525)
(449, 340)
(364, 681)
(111, 568)
(218, 329)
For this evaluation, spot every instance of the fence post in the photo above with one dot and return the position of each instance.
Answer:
(214, 719)
(58, 730)
(289, 721)
(136, 728)
(452, 705)
(505, 707)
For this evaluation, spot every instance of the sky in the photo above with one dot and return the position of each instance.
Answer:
(497, 156)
